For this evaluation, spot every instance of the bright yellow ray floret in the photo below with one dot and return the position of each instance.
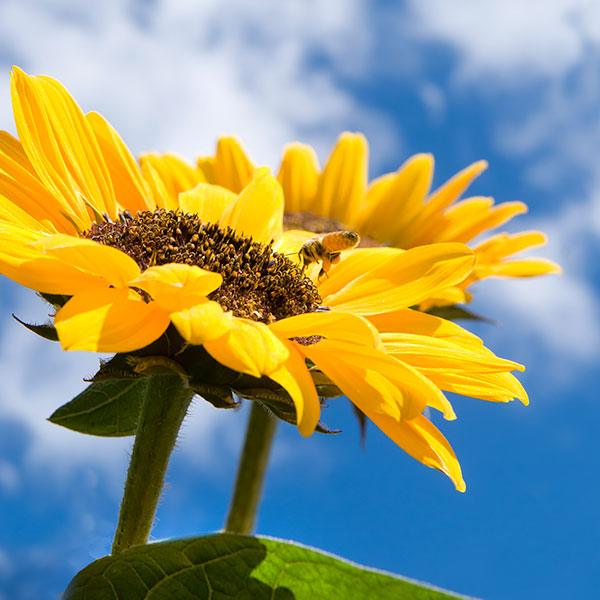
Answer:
(396, 209)
(69, 171)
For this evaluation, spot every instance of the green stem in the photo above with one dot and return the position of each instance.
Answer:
(165, 405)
(251, 471)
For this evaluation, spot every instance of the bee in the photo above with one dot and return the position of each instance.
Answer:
(326, 249)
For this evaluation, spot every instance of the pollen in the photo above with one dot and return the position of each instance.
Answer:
(258, 283)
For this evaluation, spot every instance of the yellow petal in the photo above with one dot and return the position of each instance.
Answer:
(454, 187)
(401, 201)
(343, 182)
(527, 267)
(493, 387)
(207, 165)
(176, 174)
(504, 244)
(295, 378)
(400, 281)
(463, 228)
(491, 252)
(448, 296)
(14, 214)
(207, 201)
(177, 286)
(416, 322)
(331, 325)
(20, 184)
(114, 266)
(249, 347)
(161, 197)
(61, 264)
(374, 380)
(258, 210)
(232, 168)
(202, 322)
(425, 225)
(290, 242)
(109, 320)
(424, 351)
(131, 190)
(60, 144)
(299, 177)
(423, 441)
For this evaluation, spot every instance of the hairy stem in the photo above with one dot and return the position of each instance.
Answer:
(165, 405)
(251, 471)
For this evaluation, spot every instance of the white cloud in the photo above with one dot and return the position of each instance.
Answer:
(560, 310)
(38, 377)
(175, 75)
(9, 477)
(535, 65)
(511, 40)
(6, 564)
(171, 75)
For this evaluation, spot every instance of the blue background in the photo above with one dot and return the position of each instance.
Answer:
(515, 83)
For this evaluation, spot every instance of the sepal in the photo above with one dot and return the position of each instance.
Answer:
(45, 330)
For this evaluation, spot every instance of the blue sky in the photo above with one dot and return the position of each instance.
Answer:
(515, 83)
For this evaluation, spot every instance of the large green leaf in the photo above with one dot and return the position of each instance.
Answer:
(245, 568)
(106, 408)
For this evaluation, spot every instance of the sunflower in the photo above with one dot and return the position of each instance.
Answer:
(396, 209)
(132, 254)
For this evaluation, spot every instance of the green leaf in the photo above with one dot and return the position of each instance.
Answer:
(106, 408)
(245, 568)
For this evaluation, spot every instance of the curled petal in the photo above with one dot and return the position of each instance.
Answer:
(109, 320)
(375, 381)
(331, 325)
(423, 441)
(425, 351)
(202, 323)
(61, 264)
(249, 347)
(295, 378)
(407, 320)
(177, 286)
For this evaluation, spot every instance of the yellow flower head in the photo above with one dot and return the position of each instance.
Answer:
(143, 256)
(396, 209)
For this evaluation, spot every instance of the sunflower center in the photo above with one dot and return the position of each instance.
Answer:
(258, 283)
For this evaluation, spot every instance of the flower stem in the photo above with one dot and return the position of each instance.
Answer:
(165, 405)
(251, 471)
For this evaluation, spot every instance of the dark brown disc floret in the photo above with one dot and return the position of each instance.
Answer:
(258, 283)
